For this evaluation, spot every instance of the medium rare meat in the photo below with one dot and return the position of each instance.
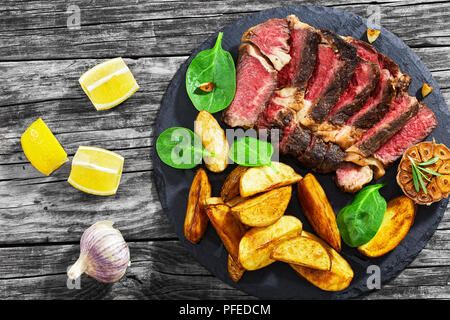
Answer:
(335, 65)
(366, 51)
(304, 43)
(363, 82)
(414, 131)
(351, 178)
(255, 83)
(372, 112)
(271, 37)
(295, 139)
(402, 109)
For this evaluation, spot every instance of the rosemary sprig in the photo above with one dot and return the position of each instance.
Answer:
(418, 173)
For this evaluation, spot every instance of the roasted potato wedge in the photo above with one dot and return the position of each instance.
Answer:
(337, 278)
(264, 178)
(213, 200)
(397, 221)
(228, 227)
(257, 243)
(230, 188)
(263, 209)
(318, 210)
(213, 139)
(196, 220)
(236, 200)
(235, 270)
(302, 251)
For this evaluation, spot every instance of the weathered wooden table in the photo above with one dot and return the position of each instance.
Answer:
(42, 55)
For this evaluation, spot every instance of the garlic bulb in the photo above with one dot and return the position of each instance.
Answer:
(104, 254)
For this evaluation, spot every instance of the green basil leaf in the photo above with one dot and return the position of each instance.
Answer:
(359, 221)
(213, 65)
(251, 152)
(180, 148)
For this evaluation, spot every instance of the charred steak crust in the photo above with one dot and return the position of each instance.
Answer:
(347, 54)
(296, 143)
(346, 111)
(334, 157)
(378, 110)
(384, 130)
(304, 42)
(308, 61)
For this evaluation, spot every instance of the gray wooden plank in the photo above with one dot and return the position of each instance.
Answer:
(137, 30)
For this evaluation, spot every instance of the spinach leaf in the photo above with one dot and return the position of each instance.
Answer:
(251, 152)
(180, 148)
(215, 66)
(359, 221)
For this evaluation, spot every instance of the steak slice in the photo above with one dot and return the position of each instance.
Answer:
(271, 37)
(255, 83)
(351, 177)
(304, 43)
(335, 65)
(402, 109)
(362, 84)
(400, 80)
(414, 131)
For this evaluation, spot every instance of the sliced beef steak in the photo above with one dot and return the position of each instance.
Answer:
(255, 83)
(363, 82)
(295, 139)
(304, 43)
(351, 177)
(400, 80)
(335, 65)
(414, 131)
(401, 110)
(271, 37)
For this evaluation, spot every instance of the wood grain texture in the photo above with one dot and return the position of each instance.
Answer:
(42, 218)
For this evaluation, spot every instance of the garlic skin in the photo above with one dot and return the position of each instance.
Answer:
(104, 254)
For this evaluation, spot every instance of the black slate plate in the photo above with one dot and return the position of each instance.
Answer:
(279, 281)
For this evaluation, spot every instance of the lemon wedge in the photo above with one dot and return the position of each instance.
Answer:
(96, 170)
(41, 148)
(108, 83)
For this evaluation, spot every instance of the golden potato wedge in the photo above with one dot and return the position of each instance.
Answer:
(263, 209)
(213, 200)
(235, 270)
(236, 200)
(257, 243)
(318, 210)
(213, 139)
(230, 188)
(228, 227)
(398, 219)
(196, 220)
(302, 251)
(263, 178)
(337, 278)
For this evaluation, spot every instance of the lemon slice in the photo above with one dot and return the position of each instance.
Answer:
(96, 170)
(108, 83)
(41, 148)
